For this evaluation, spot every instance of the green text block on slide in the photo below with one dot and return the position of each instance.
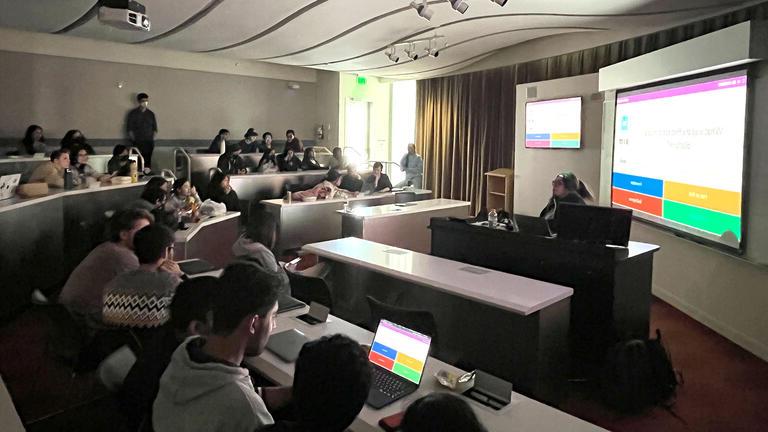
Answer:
(703, 219)
(406, 372)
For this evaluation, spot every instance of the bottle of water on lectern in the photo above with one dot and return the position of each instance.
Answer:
(493, 218)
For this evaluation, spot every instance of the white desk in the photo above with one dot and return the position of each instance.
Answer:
(508, 325)
(211, 239)
(402, 225)
(523, 414)
(300, 223)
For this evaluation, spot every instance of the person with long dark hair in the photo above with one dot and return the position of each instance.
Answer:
(80, 167)
(566, 188)
(33, 142)
(183, 196)
(288, 161)
(75, 139)
(443, 412)
(309, 162)
(268, 162)
(219, 142)
(220, 191)
(118, 164)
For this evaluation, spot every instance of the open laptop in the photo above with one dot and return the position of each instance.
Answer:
(594, 224)
(532, 225)
(398, 355)
(8, 185)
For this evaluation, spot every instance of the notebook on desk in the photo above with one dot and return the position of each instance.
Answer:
(8, 185)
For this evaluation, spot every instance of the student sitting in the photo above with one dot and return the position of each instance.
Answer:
(330, 384)
(256, 244)
(33, 142)
(220, 191)
(378, 181)
(268, 163)
(288, 161)
(310, 163)
(140, 298)
(118, 164)
(74, 139)
(338, 161)
(266, 142)
(189, 308)
(292, 142)
(83, 294)
(183, 197)
(327, 189)
(80, 168)
(153, 199)
(566, 188)
(443, 412)
(230, 162)
(352, 181)
(52, 172)
(204, 388)
(219, 142)
(248, 144)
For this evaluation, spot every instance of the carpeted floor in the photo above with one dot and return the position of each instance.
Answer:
(725, 389)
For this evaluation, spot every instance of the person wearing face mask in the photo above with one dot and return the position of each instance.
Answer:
(33, 142)
(230, 162)
(378, 181)
(292, 142)
(266, 144)
(142, 129)
(566, 188)
(52, 172)
(118, 164)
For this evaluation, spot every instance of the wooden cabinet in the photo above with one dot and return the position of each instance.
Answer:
(499, 192)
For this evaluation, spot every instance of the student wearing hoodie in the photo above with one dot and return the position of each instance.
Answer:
(256, 244)
(204, 387)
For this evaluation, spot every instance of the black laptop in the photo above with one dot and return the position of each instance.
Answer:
(398, 356)
(594, 224)
(532, 225)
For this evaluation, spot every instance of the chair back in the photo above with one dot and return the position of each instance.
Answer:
(418, 320)
(404, 197)
(310, 289)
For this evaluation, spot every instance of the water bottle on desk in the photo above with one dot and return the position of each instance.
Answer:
(493, 218)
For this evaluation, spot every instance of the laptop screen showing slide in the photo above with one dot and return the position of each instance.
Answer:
(400, 355)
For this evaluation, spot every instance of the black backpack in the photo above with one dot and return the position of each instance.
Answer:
(638, 374)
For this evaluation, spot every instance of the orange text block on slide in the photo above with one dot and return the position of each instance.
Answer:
(700, 196)
(409, 361)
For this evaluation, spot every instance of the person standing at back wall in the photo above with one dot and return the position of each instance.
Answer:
(142, 128)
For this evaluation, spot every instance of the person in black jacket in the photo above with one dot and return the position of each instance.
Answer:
(378, 181)
(310, 163)
(248, 144)
(118, 164)
(352, 181)
(219, 141)
(75, 139)
(220, 191)
(230, 162)
(566, 188)
(288, 162)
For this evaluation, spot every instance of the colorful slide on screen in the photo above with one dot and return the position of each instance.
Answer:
(553, 123)
(399, 350)
(679, 155)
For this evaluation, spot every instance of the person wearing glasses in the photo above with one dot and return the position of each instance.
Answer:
(566, 188)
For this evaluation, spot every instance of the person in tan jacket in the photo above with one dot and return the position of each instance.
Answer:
(52, 172)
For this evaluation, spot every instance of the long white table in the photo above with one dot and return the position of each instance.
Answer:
(402, 225)
(300, 223)
(523, 414)
(508, 325)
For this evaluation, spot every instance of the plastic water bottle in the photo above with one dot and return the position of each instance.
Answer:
(493, 218)
(346, 206)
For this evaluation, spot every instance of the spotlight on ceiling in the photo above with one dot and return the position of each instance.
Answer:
(391, 54)
(422, 9)
(500, 2)
(432, 49)
(411, 52)
(459, 6)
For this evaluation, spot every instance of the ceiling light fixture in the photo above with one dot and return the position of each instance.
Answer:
(422, 9)
(500, 2)
(433, 50)
(391, 54)
(411, 52)
(459, 6)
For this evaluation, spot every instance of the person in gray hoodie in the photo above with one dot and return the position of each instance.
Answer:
(256, 244)
(204, 388)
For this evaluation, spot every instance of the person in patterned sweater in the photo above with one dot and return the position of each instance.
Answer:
(140, 298)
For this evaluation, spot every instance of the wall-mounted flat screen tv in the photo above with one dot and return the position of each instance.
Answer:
(553, 124)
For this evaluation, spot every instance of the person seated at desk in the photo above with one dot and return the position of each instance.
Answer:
(292, 142)
(268, 163)
(140, 298)
(331, 382)
(53, 171)
(327, 189)
(183, 197)
(75, 139)
(220, 191)
(248, 144)
(81, 169)
(288, 161)
(118, 164)
(33, 142)
(309, 163)
(413, 166)
(219, 142)
(566, 188)
(256, 244)
(83, 293)
(445, 412)
(266, 142)
(378, 181)
(189, 308)
(352, 181)
(153, 199)
(230, 162)
(204, 387)
(338, 161)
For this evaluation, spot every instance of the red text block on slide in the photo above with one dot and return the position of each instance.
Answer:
(640, 202)
(385, 362)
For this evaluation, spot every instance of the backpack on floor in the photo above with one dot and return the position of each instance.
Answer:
(638, 374)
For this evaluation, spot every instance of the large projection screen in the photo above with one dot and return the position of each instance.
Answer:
(678, 157)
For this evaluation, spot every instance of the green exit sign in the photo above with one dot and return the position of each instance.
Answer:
(361, 80)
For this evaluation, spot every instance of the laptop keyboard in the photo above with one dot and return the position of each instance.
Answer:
(389, 384)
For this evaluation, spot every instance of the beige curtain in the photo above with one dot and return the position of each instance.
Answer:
(465, 124)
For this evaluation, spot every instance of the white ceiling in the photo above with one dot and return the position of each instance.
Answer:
(351, 35)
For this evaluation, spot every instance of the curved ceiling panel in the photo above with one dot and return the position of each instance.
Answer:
(42, 15)
(164, 15)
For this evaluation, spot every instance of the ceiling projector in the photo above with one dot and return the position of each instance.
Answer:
(124, 14)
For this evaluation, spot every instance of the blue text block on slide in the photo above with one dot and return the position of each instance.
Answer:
(539, 136)
(643, 185)
(384, 350)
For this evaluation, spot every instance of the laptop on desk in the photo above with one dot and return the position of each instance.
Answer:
(398, 356)
(8, 185)
(532, 225)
